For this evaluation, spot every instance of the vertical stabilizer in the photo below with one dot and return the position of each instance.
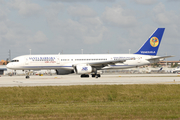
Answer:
(151, 46)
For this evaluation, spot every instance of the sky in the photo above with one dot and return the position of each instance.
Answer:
(94, 26)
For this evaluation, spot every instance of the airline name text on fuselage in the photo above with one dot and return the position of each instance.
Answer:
(124, 58)
(42, 58)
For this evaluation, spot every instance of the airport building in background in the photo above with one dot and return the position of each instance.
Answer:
(3, 62)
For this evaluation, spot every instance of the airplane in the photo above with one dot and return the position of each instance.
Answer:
(85, 64)
(176, 70)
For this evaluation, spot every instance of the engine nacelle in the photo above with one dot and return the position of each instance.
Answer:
(83, 69)
(63, 72)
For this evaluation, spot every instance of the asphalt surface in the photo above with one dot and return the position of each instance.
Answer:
(67, 80)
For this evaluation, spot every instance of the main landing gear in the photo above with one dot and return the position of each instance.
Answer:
(96, 75)
(84, 75)
(93, 75)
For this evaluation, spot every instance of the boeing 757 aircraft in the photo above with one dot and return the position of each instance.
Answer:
(85, 64)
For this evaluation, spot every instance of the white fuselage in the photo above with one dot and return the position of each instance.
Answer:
(37, 62)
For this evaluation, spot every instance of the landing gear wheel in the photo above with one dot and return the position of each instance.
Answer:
(27, 77)
(84, 75)
(98, 75)
(93, 75)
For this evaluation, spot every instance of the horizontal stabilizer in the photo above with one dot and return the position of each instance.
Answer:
(159, 57)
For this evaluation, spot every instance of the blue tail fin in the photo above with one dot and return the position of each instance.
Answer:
(151, 46)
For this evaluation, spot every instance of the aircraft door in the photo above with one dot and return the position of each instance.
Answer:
(58, 60)
(26, 61)
(139, 59)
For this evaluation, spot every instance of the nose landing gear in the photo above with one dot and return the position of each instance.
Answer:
(27, 77)
(27, 74)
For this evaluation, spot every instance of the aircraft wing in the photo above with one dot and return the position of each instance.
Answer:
(105, 63)
(159, 57)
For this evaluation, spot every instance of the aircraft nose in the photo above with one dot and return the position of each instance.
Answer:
(9, 65)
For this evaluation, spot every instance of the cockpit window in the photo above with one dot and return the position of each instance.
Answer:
(15, 61)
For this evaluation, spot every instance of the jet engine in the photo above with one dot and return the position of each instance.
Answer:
(84, 69)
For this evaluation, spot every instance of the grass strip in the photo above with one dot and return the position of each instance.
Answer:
(91, 102)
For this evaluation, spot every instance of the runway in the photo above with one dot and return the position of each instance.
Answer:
(67, 80)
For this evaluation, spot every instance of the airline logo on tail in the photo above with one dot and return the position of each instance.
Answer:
(151, 46)
(154, 42)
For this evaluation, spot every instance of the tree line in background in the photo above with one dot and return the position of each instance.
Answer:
(173, 65)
